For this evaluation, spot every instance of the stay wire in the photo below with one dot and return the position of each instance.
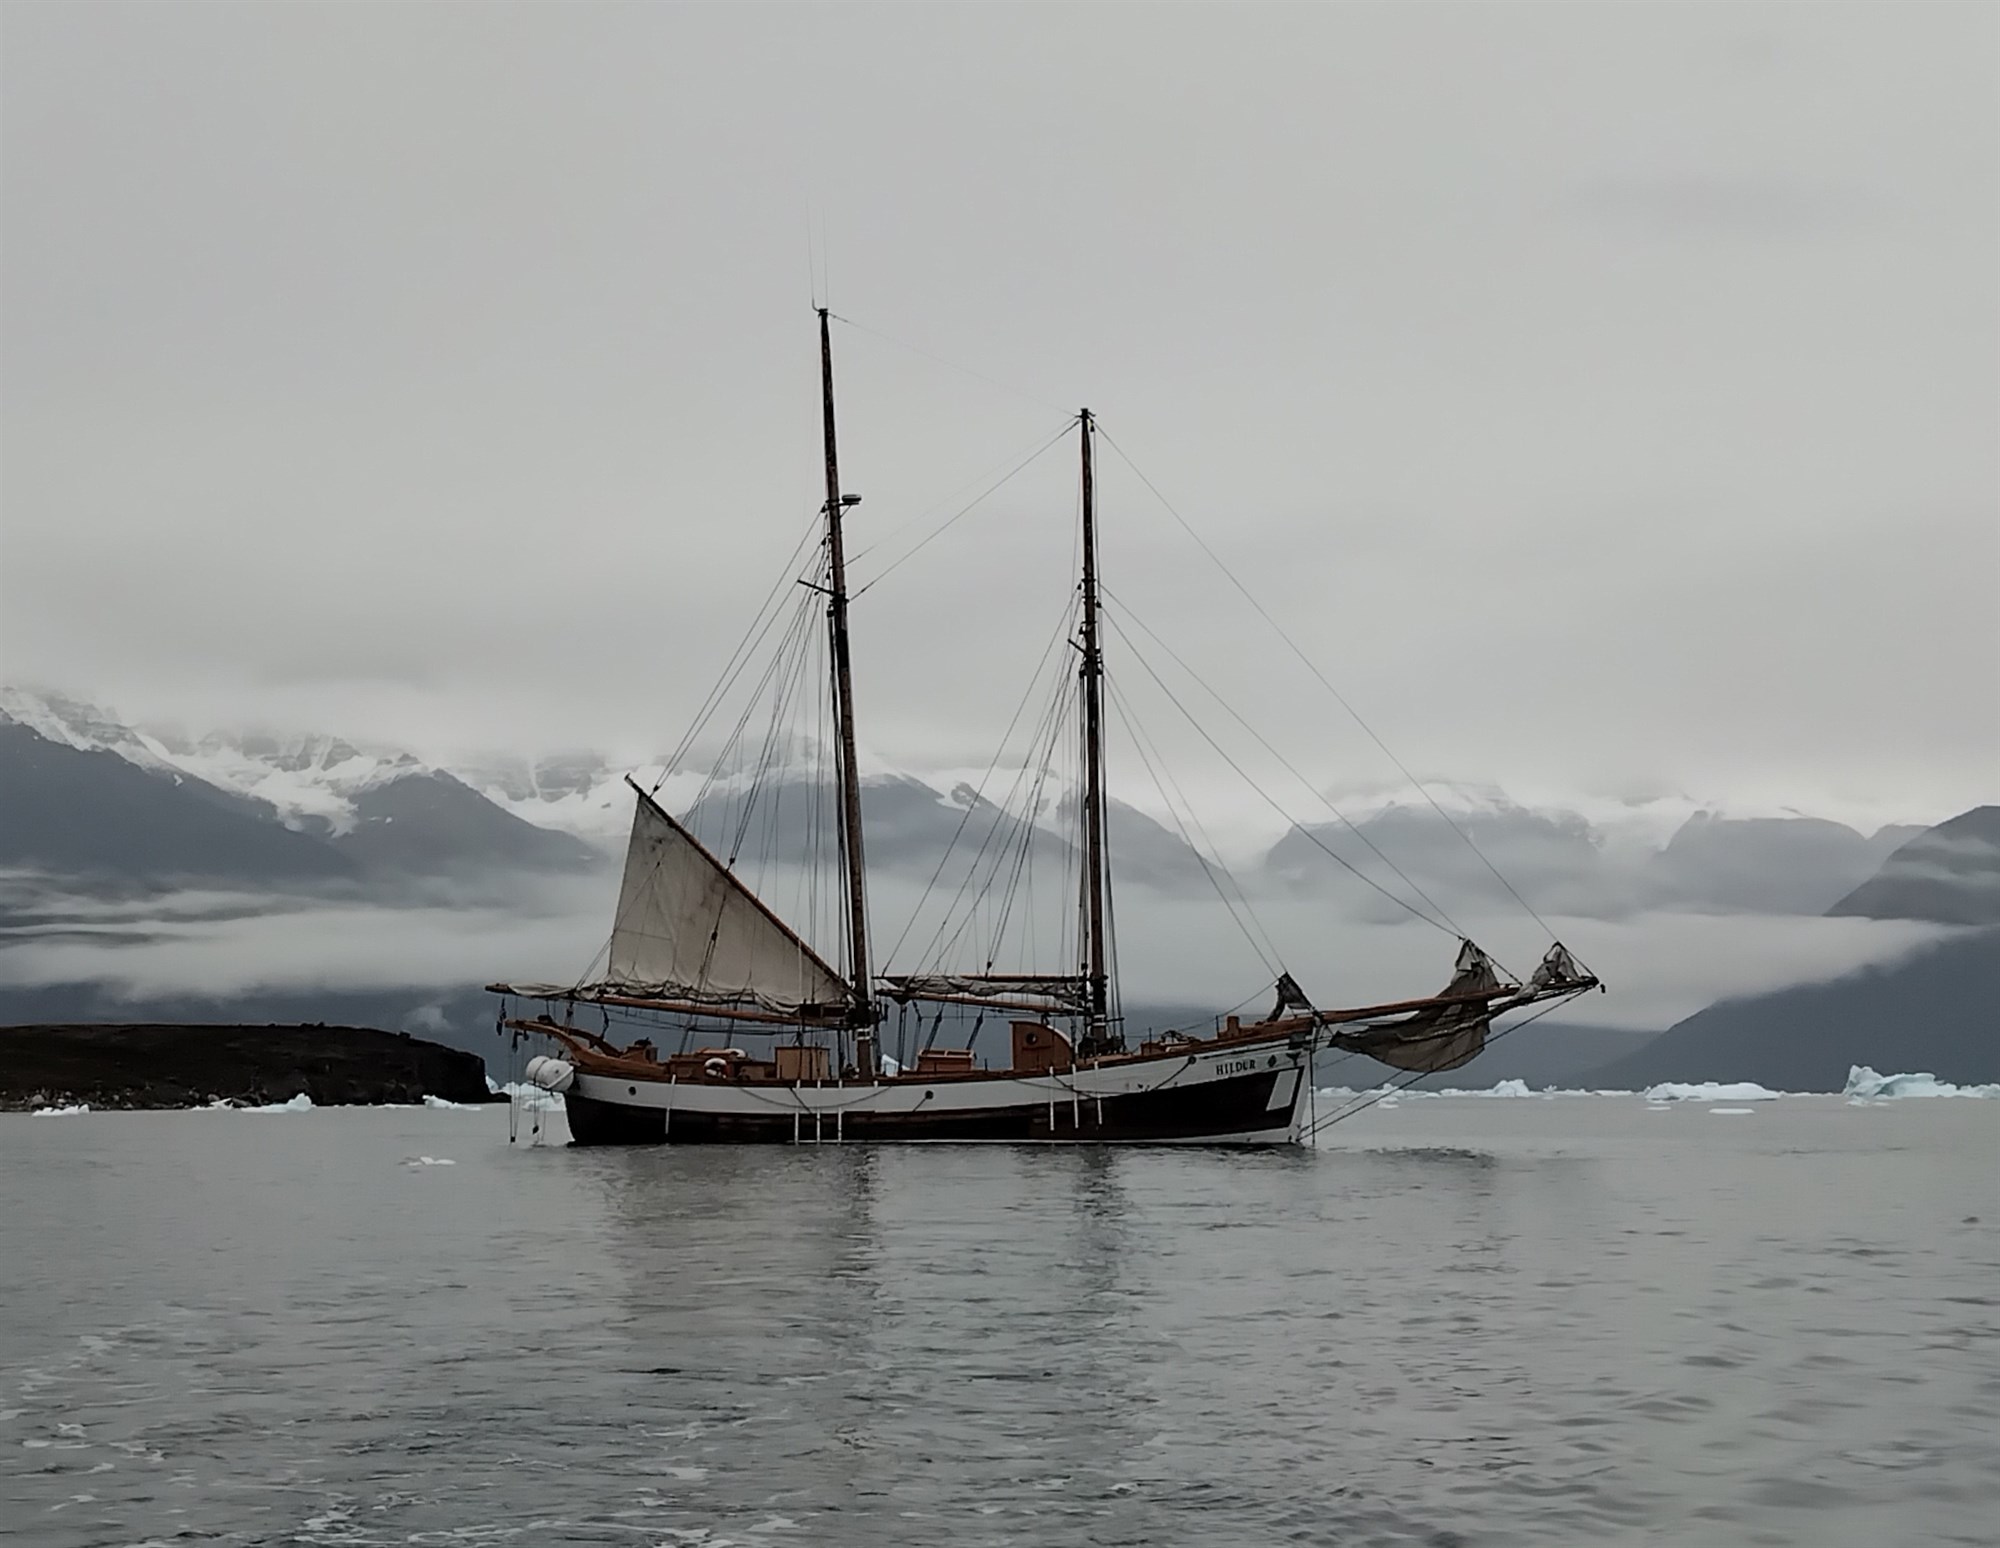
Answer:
(950, 365)
(1129, 721)
(979, 790)
(1341, 860)
(952, 520)
(1338, 697)
(1291, 769)
(761, 624)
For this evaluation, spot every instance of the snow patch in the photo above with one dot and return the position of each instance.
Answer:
(1862, 1082)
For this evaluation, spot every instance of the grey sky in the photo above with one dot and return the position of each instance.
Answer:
(1605, 395)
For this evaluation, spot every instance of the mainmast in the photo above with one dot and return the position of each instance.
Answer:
(843, 703)
(1096, 969)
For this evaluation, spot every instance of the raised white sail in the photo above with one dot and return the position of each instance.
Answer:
(687, 929)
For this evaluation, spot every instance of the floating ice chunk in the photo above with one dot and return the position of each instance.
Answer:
(454, 1107)
(1710, 1091)
(63, 1112)
(429, 1161)
(530, 1098)
(298, 1104)
(1730, 1112)
(1863, 1082)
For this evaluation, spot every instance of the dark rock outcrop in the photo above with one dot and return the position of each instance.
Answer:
(116, 1065)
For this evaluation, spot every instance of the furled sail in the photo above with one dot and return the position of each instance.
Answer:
(687, 929)
(1442, 1038)
(1064, 991)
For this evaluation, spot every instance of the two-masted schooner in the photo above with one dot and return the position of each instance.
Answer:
(693, 944)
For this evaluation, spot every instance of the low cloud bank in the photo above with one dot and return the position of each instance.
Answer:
(1660, 965)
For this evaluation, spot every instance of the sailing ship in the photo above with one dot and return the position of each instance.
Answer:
(694, 946)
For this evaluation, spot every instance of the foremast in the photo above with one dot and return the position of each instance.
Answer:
(1096, 963)
(849, 770)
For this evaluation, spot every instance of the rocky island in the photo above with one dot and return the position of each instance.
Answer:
(109, 1065)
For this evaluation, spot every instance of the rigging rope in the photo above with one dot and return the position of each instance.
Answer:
(1291, 769)
(950, 365)
(1338, 697)
(952, 520)
(1269, 799)
(1268, 959)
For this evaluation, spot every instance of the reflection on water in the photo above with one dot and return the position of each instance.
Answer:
(1467, 1322)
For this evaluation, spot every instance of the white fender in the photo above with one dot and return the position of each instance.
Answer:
(554, 1075)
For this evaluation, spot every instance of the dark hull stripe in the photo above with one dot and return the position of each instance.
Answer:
(1213, 1110)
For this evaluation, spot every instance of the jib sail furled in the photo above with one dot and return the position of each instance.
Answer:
(1439, 1037)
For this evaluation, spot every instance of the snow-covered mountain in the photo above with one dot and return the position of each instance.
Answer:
(386, 808)
(379, 810)
(311, 781)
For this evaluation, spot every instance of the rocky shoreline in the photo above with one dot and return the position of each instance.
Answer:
(104, 1065)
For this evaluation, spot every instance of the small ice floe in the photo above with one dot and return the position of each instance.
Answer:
(428, 1161)
(63, 1112)
(450, 1107)
(1864, 1084)
(1732, 1112)
(298, 1104)
(1504, 1088)
(1710, 1091)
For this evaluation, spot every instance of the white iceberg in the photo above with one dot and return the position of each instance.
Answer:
(1864, 1083)
(1710, 1091)
(63, 1112)
(452, 1107)
(298, 1104)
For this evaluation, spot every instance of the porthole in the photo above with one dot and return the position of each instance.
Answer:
(631, 1090)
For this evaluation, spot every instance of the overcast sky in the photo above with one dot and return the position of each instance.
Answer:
(1605, 396)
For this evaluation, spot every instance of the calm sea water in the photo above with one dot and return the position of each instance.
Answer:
(1460, 1321)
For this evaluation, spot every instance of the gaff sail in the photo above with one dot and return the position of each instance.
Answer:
(688, 930)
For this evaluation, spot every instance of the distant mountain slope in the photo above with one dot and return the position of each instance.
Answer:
(93, 814)
(434, 823)
(1949, 874)
(1765, 865)
(1937, 1010)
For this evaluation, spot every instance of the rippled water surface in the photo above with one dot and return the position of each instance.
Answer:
(1460, 1321)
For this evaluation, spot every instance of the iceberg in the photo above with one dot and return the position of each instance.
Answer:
(453, 1107)
(1864, 1083)
(62, 1112)
(298, 1104)
(1710, 1091)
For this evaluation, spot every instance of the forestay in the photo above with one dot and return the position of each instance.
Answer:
(688, 929)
